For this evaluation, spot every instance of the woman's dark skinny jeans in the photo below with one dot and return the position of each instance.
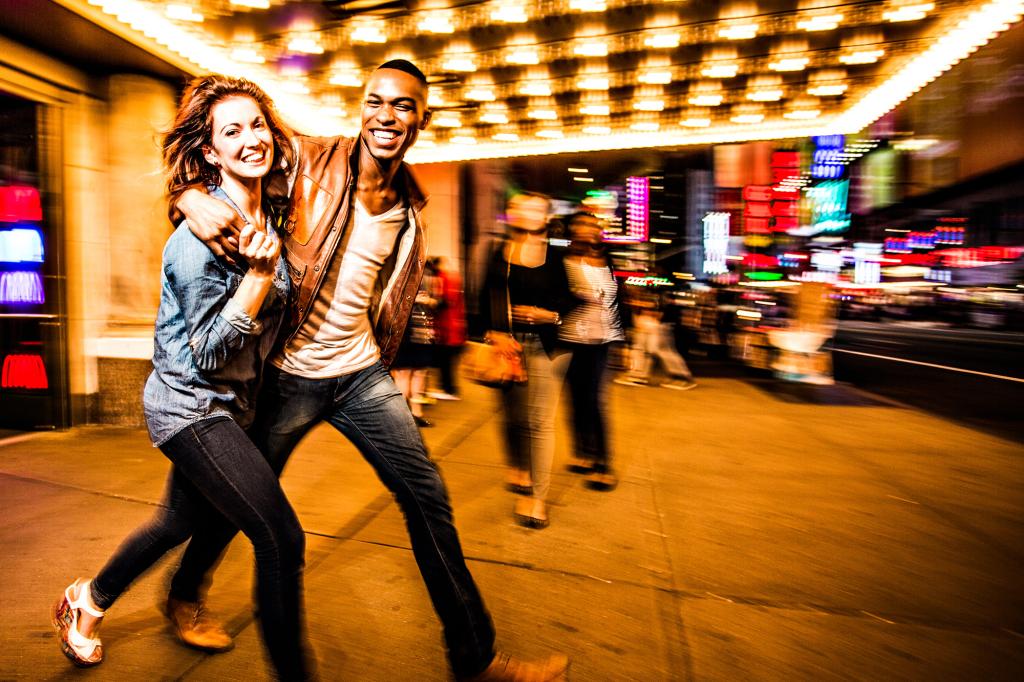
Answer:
(220, 477)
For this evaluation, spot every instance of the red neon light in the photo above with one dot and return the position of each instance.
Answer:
(24, 370)
(19, 202)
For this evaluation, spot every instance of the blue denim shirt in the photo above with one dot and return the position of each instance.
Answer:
(208, 355)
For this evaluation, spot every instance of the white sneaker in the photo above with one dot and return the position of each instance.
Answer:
(680, 385)
(441, 395)
(631, 381)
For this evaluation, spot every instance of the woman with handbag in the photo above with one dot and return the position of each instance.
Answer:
(524, 297)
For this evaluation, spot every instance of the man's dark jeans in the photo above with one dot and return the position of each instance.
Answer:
(220, 477)
(368, 409)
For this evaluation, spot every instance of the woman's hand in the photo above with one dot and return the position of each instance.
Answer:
(528, 314)
(213, 221)
(505, 344)
(259, 249)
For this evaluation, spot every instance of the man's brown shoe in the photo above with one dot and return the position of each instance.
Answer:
(197, 628)
(504, 668)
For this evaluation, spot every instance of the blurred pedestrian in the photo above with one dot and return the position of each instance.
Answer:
(652, 341)
(588, 331)
(451, 329)
(356, 264)
(416, 353)
(215, 327)
(525, 295)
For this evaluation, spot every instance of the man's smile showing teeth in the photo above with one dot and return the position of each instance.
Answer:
(384, 135)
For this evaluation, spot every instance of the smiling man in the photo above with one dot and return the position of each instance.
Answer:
(355, 249)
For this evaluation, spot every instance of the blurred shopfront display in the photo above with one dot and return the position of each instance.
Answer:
(33, 322)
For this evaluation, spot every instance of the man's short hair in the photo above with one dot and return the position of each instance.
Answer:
(405, 66)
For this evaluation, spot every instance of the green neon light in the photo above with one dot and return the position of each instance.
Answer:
(764, 276)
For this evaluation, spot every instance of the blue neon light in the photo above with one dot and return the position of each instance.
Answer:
(21, 245)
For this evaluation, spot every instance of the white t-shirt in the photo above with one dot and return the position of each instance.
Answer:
(337, 337)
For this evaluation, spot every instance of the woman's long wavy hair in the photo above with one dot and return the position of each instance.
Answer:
(193, 129)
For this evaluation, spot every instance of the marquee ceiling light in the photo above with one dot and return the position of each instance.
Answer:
(667, 40)
(863, 56)
(370, 33)
(509, 14)
(505, 137)
(591, 48)
(535, 89)
(789, 64)
(649, 105)
(480, 94)
(696, 122)
(656, 77)
(183, 13)
(346, 79)
(436, 22)
(706, 100)
(738, 30)
(593, 83)
(523, 55)
(460, 63)
(247, 55)
(447, 120)
(719, 70)
(877, 46)
(588, 5)
(908, 11)
(305, 44)
(543, 114)
(819, 22)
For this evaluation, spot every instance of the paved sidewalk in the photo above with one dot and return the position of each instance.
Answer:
(760, 531)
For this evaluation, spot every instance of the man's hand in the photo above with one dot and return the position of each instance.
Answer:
(213, 221)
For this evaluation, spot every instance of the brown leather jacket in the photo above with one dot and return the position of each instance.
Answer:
(315, 221)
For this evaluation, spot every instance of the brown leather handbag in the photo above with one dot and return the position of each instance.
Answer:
(486, 364)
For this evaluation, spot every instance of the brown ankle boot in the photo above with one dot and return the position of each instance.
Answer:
(197, 628)
(504, 668)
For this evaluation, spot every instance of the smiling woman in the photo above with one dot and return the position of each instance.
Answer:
(215, 328)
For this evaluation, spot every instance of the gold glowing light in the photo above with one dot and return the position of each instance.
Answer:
(819, 22)
(593, 83)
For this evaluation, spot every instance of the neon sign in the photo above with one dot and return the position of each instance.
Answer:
(23, 370)
(21, 245)
(828, 206)
(21, 286)
(638, 202)
(716, 243)
(18, 203)
(828, 162)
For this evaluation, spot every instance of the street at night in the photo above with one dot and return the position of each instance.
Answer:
(511, 340)
(757, 533)
(970, 376)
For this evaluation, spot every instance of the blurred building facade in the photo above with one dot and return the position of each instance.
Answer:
(81, 112)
